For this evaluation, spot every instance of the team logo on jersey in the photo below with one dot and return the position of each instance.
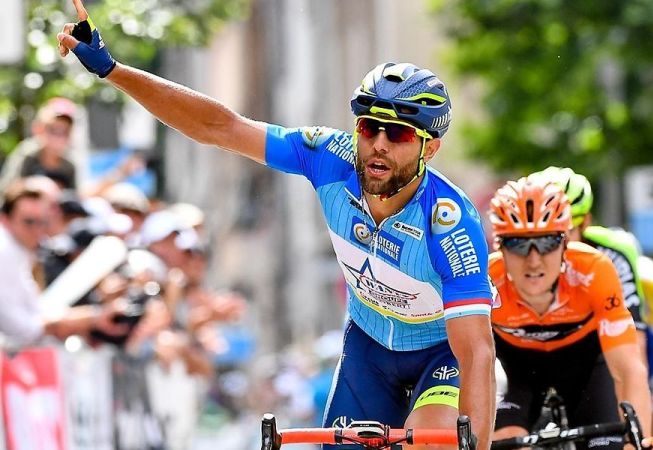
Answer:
(375, 292)
(576, 278)
(362, 233)
(445, 216)
(409, 230)
(445, 372)
(315, 136)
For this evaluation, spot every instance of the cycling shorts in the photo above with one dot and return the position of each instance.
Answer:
(375, 383)
(578, 373)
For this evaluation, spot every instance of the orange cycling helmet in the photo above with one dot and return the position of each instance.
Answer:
(529, 205)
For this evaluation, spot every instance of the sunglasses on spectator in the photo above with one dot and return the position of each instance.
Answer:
(33, 222)
(397, 132)
(522, 245)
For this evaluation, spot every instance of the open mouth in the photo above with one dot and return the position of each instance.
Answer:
(377, 168)
(533, 276)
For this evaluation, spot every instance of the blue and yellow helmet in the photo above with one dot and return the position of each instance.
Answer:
(406, 92)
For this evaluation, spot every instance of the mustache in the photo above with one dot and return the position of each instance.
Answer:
(378, 157)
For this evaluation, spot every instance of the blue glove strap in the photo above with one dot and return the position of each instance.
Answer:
(94, 55)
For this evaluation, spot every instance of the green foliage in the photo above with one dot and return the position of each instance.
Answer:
(564, 82)
(135, 31)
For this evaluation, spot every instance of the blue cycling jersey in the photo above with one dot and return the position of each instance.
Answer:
(416, 269)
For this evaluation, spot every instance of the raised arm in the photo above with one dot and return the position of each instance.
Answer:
(470, 338)
(194, 114)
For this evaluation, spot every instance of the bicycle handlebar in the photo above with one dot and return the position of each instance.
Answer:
(630, 427)
(369, 434)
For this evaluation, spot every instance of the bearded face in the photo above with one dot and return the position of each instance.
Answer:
(379, 175)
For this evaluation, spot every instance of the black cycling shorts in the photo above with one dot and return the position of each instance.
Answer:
(578, 373)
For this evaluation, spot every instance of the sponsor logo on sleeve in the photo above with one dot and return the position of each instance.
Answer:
(445, 216)
(342, 147)
(461, 254)
(613, 328)
(409, 230)
(315, 136)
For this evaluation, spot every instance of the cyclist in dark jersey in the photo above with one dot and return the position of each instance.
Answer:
(418, 349)
(562, 322)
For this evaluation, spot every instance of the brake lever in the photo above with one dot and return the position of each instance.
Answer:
(633, 426)
(466, 439)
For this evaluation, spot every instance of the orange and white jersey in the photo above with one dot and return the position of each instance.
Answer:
(589, 299)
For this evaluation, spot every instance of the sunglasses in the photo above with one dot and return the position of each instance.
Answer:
(397, 132)
(522, 245)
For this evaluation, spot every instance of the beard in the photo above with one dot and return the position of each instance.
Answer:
(401, 177)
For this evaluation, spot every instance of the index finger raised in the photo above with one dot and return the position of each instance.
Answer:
(81, 11)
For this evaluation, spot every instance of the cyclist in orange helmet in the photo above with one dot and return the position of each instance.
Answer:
(561, 322)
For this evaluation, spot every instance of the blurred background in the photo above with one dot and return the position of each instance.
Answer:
(533, 83)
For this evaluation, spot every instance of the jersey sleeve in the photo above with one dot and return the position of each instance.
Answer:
(615, 325)
(318, 153)
(462, 260)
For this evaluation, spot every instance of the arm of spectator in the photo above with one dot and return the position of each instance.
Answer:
(227, 307)
(174, 345)
(81, 319)
(156, 319)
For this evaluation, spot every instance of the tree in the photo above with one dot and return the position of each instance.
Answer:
(135, 30)
(568, 83)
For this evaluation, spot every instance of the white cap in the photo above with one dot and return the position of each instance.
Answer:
(189, 215)
(128, 196)
(104, 218)
(161, 224)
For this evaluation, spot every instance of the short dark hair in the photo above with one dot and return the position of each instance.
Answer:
(17, 191)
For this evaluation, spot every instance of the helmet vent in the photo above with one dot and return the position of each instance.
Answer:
(529, 210)
(429, 101)
(403, 109)
(394, 78)
(579, 198)
(365, 101)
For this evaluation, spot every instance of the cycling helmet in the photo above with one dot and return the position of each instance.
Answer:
(404, 91)
(529, 205)
(577, 188)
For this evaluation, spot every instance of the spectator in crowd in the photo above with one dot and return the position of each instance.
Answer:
(127, 199)
(23, 222)
(44, 152)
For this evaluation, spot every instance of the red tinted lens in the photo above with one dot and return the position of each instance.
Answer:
(395, 132)
(398, 133)
(368, 128)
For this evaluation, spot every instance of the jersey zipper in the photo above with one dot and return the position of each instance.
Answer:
(374, 246)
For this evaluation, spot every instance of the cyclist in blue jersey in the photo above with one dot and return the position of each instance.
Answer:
(418, 348)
